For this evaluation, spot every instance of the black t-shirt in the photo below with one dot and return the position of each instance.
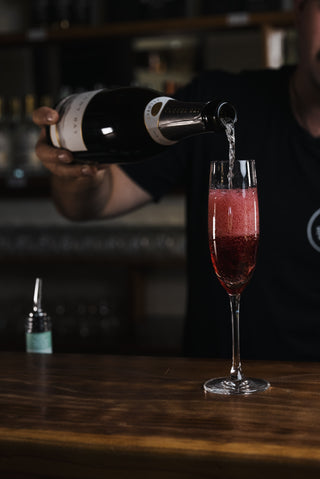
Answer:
(280, 307)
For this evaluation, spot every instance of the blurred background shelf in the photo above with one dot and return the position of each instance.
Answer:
(120, 286)
(115, 286)
(177, 25)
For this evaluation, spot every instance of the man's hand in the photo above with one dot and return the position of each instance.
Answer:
(57, 160)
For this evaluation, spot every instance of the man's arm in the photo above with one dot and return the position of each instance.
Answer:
(83, 192)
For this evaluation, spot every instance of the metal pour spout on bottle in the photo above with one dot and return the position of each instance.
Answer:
(38, 325)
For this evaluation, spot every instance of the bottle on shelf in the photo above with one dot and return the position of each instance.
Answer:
(38, 325)
(128, 124)
(60, 14)
(16, 172)
(5, 144)
(30, 136)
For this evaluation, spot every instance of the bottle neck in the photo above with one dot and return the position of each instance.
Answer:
(217, 114)
(38, 322)
(182, 119)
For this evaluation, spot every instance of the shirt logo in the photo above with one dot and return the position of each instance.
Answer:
(313, 230)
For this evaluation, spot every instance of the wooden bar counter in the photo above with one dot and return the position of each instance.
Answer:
(90, 416)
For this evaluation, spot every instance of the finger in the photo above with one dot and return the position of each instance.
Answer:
(45, 116)
(48, 154)
(44, 150)
(61, 162)
(102, 166)
(73, 170)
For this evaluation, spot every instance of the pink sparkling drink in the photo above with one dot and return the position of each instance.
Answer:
(233, 235)
(233, 222)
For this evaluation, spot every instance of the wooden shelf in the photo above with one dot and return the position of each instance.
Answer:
(174, 25)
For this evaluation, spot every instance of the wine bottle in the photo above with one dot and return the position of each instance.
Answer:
(128, 124)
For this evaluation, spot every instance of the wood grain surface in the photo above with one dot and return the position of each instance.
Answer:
(90, 416)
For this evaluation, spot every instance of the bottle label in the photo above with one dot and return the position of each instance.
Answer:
(39, 342)
(152, 114)
(67, 133)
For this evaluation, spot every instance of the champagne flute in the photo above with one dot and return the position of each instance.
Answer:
(233, 224)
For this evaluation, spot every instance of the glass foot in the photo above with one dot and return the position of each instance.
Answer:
(228, 386)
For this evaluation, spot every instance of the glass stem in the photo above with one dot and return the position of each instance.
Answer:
(235, 372)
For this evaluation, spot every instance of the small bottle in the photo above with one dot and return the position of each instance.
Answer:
(128, 124)
(38, 325)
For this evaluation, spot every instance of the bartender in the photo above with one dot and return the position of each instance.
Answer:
(278, 125)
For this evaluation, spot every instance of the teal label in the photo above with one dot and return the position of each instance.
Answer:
(39, 342)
